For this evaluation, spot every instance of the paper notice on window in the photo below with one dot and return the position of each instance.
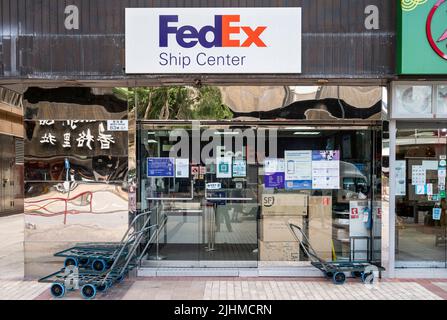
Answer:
(418, 175)
(239, 169)
(224, 167)
(430, 165)
(298, 165)
(274, 175)
(326, 169)
(401, 182)
(420, 190)
(182, 168)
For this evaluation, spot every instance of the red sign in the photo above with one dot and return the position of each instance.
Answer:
(354, 213)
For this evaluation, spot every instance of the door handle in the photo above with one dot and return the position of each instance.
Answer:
(176, 199)
(227, 199)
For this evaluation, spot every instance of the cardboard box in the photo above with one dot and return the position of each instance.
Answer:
(285, 204)
(279, 251)
(276, 229)
(320, 225)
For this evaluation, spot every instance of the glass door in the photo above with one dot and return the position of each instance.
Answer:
(421, 158)
(203, 195)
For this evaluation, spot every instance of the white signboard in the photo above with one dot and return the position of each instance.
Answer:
(182, 168)
(117, 125)
(224, 167)
(213, 40)
(298, 165)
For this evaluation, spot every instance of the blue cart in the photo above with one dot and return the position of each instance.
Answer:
(93, 268)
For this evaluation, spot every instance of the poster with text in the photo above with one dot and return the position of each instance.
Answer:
(274, 175)
(298, 169)
(401, 177)
(418, 175)
(182, 168)
(160, 167)
(325, 169)
(239, 168)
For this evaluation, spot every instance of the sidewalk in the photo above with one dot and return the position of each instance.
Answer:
(12, 286)
(182, 288)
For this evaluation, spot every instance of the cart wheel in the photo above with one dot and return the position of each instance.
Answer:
(70, 261)
(120, 278)
(339, 278)
(99, 265)
(57, 290)
(356, 274)
(88, 291)
(102, 287)
(84, 261)
(368, 278)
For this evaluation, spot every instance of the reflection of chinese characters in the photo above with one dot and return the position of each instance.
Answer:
(48, 138)
(73, 123)
(104, 139)
(85, 138)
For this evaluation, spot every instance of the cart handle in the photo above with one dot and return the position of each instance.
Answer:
(305, 244)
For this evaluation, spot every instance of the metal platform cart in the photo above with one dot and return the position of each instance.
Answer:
(96, 268)
(333, 269)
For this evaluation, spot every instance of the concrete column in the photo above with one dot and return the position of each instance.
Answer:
(388, 207)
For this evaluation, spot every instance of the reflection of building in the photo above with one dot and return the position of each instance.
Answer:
(11, 152)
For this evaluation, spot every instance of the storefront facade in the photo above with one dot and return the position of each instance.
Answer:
(225, 148)
(417, 142)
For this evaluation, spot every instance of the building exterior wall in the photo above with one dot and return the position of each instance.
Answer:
(35, 45)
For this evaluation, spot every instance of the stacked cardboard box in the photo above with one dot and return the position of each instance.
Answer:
(277, 242)
(320, 226)
(286, 204)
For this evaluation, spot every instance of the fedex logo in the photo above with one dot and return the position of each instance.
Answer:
(225, 26)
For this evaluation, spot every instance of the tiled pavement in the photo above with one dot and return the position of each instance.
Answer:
(268, 289)
(201, 288)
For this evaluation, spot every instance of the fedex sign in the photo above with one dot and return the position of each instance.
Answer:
(213, 40)
(188, 36)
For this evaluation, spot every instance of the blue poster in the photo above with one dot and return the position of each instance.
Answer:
(299, 185)
(160, 167)
(274, 180)
(437, 213)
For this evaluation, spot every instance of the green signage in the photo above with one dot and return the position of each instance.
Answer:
(422, 43)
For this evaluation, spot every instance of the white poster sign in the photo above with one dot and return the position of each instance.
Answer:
(418, 175)
(401, 177)
(239, 168)
(213, 40)
(224, 167)
(326, 169)
(298, 165)
(117, 125)
(182, 168)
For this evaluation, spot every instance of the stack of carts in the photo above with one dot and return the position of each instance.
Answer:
(335, 270)
(96, 267)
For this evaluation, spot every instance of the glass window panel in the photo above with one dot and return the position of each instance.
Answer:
(413, 101)
(442, 100)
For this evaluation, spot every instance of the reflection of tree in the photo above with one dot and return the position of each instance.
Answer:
(176, 103)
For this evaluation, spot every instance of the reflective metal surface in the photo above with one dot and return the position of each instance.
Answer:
(259, 103)
(73, 103)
